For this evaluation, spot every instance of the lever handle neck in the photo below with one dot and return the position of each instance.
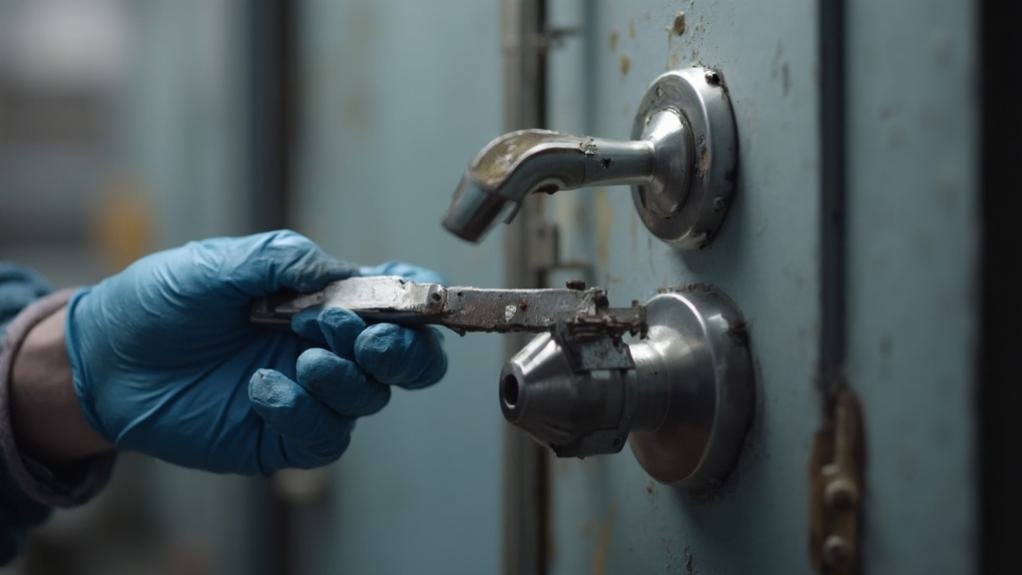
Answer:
(524, 162)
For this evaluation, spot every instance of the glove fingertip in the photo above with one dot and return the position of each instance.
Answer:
(305, 323)
(340, 383)
(340, 327)
(410, 358)
(341, 319)
(431, 370)
(314, 362)
(435, 370)
(269, 390)
(374, 349)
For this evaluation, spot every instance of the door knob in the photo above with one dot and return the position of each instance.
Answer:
(680, 163)
(681, 395)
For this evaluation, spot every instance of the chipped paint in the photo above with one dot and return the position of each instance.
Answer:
(613, 40)
(633, 234)
(650, 258)
(603, 544)
(678, 26)
(625, 64)
(690, 568)
(779, 69)
(670, 556)
(762, 221)
(702, 159)
(604, 226)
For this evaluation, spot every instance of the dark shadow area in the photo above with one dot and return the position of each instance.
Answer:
(999, 369)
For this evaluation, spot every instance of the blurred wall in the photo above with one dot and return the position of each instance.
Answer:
(184, 115)
(102, 100)
(122, 131)
(126, 126)
(397, 97)
(61, 66)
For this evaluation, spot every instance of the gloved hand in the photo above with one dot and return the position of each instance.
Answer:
(165, 361)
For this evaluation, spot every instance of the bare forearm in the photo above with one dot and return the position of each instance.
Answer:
(48, 421)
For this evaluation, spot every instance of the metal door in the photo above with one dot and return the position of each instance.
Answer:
(909, 257)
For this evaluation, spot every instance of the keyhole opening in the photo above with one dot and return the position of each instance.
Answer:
(509, 391)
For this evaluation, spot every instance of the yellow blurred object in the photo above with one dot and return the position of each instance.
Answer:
(121, 225)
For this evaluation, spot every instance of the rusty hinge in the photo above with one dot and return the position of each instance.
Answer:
(835, 490)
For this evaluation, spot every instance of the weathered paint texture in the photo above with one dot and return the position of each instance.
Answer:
(912, 204)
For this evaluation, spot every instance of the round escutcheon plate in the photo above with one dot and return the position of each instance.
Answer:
(698, 192)
(699, 338)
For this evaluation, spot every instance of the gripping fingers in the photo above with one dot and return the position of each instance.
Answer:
(334, 327)
(409, 357)
(311, 434)
(340, 384)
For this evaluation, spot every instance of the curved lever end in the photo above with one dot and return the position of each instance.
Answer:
(474, 210)
(503, 173)
(520, 163)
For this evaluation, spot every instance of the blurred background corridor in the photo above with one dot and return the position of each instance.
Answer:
(129, 126)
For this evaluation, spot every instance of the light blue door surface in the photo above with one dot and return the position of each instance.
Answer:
(912, 181)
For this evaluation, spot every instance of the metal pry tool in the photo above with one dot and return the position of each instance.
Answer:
(576, 308)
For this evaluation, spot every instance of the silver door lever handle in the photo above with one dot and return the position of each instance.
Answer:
(681, 161)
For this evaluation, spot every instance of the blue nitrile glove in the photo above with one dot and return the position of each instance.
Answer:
(165, 361)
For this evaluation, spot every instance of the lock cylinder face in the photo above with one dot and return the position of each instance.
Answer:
(576, 413)
(682, 395)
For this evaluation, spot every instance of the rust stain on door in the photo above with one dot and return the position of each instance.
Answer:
(604, 226)
(603, 543)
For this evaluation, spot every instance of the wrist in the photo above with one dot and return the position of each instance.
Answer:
(48, 421)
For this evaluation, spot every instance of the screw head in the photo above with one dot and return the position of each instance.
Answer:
(836, 551)
(712, 77)
(840, 493)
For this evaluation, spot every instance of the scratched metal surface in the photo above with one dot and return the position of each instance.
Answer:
(399, 97)
(907, 269)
